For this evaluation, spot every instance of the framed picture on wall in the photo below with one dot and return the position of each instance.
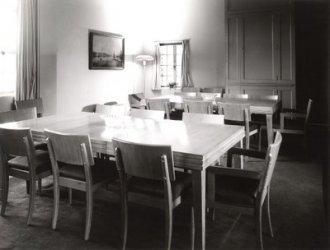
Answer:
(106, 50)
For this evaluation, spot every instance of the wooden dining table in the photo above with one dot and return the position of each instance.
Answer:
(194, 146)
(257, 106)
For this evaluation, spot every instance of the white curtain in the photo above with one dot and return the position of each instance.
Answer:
(185, 66)
(156, 70)
(27, 51)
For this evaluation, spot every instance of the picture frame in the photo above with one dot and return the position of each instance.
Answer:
(106, 51)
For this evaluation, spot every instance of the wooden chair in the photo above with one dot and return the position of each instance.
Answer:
(74, 167)
(196, 106)
(202, 118)
(21, 160)
(159, 104)
(111, 103)
(134, 100)
(239, 114)
(147, 177)
(116, 109)
(244, 188)
(300, 129)
(18, 115)
(157, 115)
(30, 104)
(7, 103)
(191, 89)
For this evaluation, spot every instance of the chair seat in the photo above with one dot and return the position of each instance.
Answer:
(156, 188)
(102, 170)
(236, 190)
(40, 145)
(42, 162)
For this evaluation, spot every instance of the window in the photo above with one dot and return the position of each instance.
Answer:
(8, 47)
(170, 64)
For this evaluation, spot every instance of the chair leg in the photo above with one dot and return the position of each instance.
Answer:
(56, 204)
(258, 222)
(124, 219)
(70, 196)
(259, 139)
(39, 186)
(89, 212)
(28, 187)
(31, 202)
(192, 229)
(168, 226)
(4, 194)
(268, 215)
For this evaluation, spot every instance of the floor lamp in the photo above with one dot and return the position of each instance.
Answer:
(144, 59)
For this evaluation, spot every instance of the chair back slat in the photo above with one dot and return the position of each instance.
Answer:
(89, 108)
(116, 110)
(213, 90)
(264, 97)
(18, 115)
(234, 111)
(143, 160)
(12, 142)
(111, 103)
(67, 147)
(271, 158)
(202, 118)
(236, 96)
(30, 104)
(190, 89)
(196, 106)
(159, 104)
(148, 114)
(6, 103)
(135, 99)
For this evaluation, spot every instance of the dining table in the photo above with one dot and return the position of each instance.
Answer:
(195, 146)
(257, 106)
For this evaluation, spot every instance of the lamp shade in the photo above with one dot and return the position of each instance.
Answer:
(144, 58)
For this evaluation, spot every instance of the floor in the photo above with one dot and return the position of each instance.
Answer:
(296, 203)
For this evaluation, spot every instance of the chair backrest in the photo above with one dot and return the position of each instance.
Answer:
(159, 104)
(308, 113)
(69, 149)
(197, 106)
(111, 103)
(191, 89)
(30, 104)
(148, 114)
(271, 158)
(89, 108)
(134, 99)
(6, 103)
(210, 96)
(264, 97)
(18, 115)
(235, 111)
(202, 118)
(186, 94)
(236, 96)
(213, 90)
(116, 109)
(17, 142)
(143, 160)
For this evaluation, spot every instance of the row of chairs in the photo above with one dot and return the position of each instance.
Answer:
(67, 152)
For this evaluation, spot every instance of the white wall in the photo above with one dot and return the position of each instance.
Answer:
(64, 38)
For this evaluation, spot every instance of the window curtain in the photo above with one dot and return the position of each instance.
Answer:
(156, 70)
(185, 66)
(27, 51)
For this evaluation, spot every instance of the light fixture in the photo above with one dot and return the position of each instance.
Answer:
(144, 59)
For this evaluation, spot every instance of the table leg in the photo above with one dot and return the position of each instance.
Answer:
(199, 199)
(269, 122)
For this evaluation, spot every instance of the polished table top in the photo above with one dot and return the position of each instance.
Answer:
(194, 146)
